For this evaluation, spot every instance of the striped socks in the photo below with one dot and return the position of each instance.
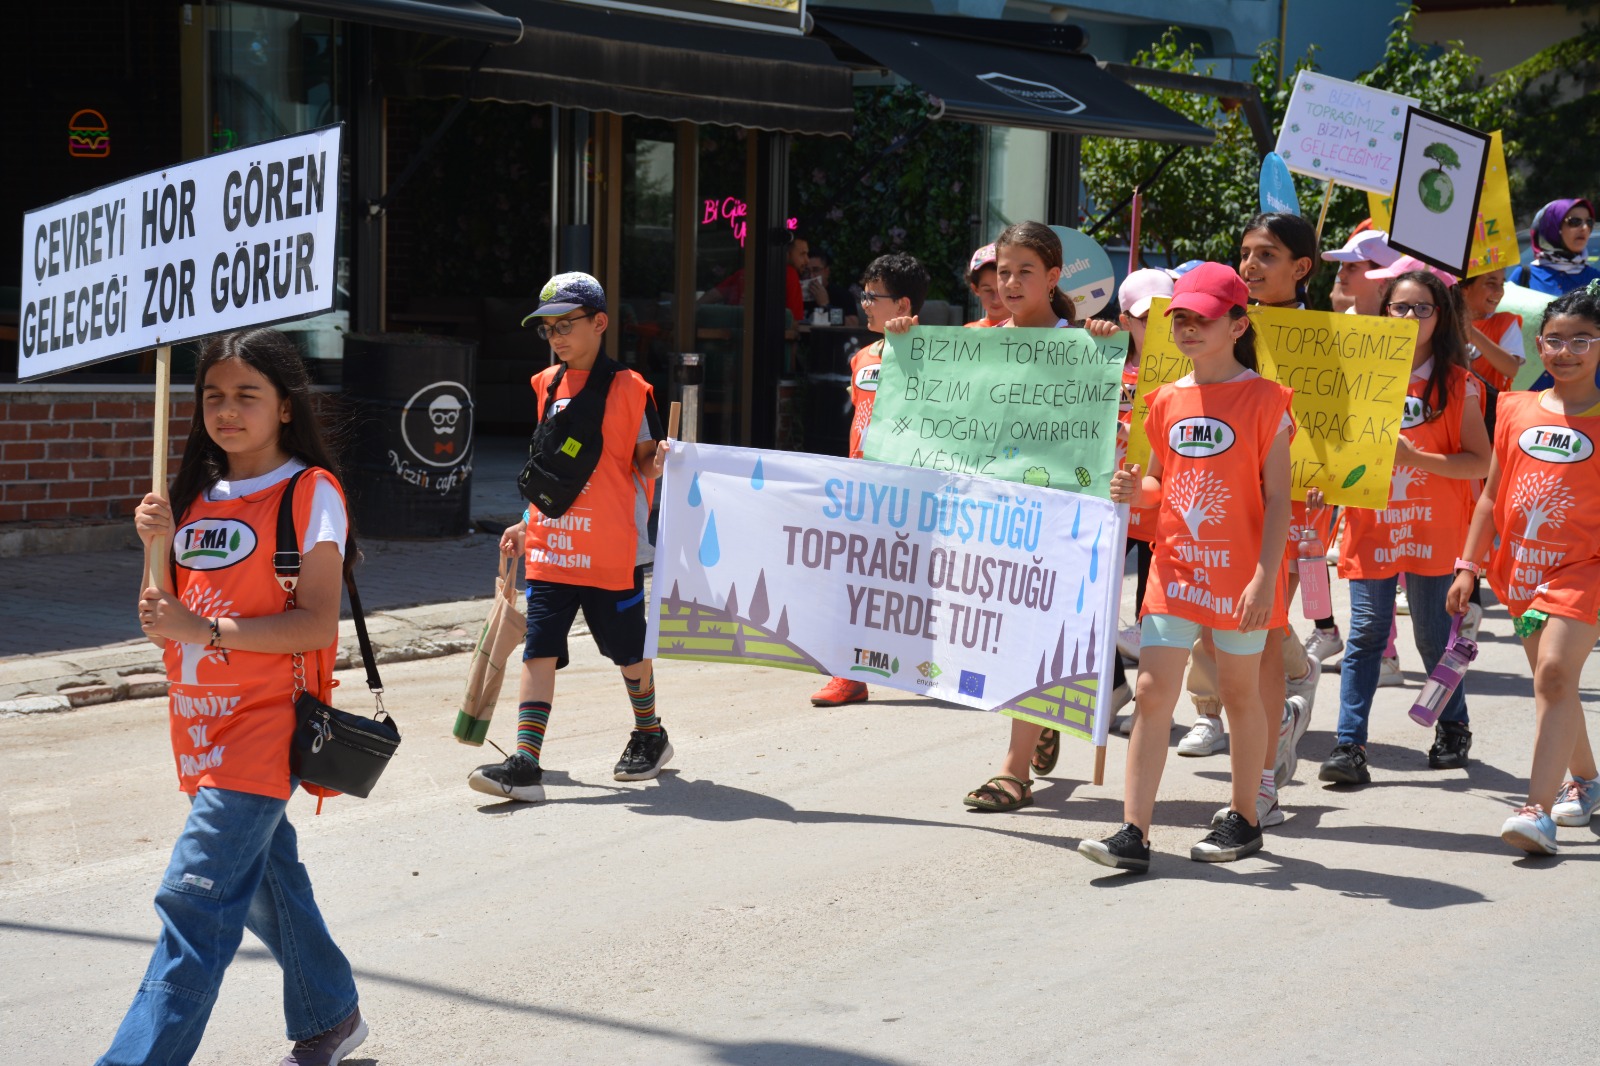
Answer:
(642, 694)
(532, 719)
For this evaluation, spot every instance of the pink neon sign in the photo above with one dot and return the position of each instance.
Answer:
(732, 210)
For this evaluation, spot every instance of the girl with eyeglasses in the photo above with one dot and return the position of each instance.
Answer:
(1546, 566)
(1442, 449)
(1560, 237)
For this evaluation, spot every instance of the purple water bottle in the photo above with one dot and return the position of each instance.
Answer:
(1458, 655)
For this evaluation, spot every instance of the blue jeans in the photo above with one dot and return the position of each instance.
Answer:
(235, 866)
(1371, 611)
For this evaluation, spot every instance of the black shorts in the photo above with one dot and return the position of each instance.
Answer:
(615, 618)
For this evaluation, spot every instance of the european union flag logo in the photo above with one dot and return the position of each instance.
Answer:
(972, 684)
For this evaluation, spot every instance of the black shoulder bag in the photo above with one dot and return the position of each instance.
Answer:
(566, 445)
(334, 749)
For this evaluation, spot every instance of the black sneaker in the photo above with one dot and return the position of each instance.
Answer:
(644, 756)
(1451, 742)
(1233, 839)
(1123, 850)
(1346, 766)
(518, 778)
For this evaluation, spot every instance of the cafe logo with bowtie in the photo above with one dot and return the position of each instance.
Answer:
(436, 424)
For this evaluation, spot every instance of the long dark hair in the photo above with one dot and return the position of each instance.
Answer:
(275, 357)
(1042, 241)
(1244, 346)
(1449, 336)
(1295, 234)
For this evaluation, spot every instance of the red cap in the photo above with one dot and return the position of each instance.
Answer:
(1210, 290)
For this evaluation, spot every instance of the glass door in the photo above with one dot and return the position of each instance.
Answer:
(644, 310)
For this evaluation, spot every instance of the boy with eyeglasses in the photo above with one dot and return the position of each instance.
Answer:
(893, 286)
(591, 557)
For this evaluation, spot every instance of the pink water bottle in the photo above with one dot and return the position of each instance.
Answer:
(1316, 601)
(1458, 655)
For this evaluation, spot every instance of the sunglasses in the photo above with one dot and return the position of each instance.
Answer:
(1577, 222)
(1422, 311)
(1575, 345)
(561, 327)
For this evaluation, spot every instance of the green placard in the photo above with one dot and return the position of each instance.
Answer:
(1037, 406)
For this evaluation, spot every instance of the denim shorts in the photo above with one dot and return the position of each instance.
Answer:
(1170, 631)
(615, 618)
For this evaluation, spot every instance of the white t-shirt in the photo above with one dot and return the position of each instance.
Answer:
(1188, 382)
(329, 521)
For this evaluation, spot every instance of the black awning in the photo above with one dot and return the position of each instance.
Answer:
(453, 18)
(982, 78)
(601, 59)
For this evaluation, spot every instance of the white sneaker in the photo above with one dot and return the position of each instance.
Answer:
(1128, 642)
(1470, 620)
(1402, 605)
(1267, 815)
(1324, 644)
(1296, 720)
(1389, 675)
(1306, 687)
(1205, 737)
(1123, 725)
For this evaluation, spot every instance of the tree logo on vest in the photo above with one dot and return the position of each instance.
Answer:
(1199, 437)
(436, 424)
(1556, 444)
(867, 377)
(1415, 413)
(213, 543)
(1033, 93)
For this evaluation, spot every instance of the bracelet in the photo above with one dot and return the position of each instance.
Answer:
(216, 633)
(1468, 564)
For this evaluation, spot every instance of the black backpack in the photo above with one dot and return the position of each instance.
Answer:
(566, 445)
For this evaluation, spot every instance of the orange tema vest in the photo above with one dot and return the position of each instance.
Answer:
(232, 714)
(1422, 529)
(596, 542)
(1548, 558)
(863, 390)
(1141, 520)
(1212, 441)
(1495, 327)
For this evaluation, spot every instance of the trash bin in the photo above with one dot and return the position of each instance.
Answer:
(408, 465)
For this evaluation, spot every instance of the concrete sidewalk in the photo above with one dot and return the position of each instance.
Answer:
(72, 639)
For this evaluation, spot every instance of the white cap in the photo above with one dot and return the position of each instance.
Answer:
(1368, 246)
(1140, 287)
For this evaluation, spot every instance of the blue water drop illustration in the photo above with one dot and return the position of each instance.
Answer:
(1094, 556)
(1075, 517)
(710, 550)
(758, 480)
(694, 490)
(1080, 595)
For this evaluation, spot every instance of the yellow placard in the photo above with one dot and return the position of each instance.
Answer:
(1349, 375)
(1494, 242)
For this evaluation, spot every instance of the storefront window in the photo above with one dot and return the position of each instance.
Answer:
(1018, 164)
(719, 279)
(645, 312)
(274, 73)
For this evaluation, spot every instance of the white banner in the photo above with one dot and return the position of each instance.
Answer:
(987, 593)
(242, 238)
(1340, 131)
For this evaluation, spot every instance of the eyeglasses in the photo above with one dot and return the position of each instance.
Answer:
(561, 327)
(1422, 311)
(1575, 345)
(868, 296)
(1577, 222)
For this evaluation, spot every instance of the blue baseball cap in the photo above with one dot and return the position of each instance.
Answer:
(569, 292)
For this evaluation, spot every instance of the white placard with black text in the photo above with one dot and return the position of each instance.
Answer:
(242, 238)
(1343, 132)
(1437, 190)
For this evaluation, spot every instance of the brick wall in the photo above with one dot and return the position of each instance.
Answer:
(81, 456)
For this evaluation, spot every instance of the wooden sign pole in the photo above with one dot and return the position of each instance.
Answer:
(674, 416)
(1100, 765)
(1322, 216)
(157, 573)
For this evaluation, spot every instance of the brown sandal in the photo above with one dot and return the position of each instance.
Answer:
(1046, 752)
(991, 796)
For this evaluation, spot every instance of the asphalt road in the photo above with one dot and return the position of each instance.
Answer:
(804, 887)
